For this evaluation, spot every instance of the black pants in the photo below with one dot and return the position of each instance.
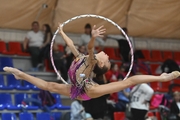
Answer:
(111, 110)
(44, 53)
(98, 115)
(34, 52)
(121, 106)
(60, 65)
(138, 114)
(125, 55)
(124, 50)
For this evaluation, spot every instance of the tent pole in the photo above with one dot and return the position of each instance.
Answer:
(40, 11)
(53, 14)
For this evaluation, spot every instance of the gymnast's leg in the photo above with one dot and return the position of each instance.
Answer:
(99, 90)
(62, 89)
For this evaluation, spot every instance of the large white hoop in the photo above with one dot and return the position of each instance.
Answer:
(95, 16)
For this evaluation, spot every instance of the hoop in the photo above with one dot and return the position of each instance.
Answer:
(95, 16)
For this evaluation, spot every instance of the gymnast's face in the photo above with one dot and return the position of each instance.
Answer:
(103, 60)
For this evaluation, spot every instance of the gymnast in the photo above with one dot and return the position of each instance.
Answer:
(82, 86)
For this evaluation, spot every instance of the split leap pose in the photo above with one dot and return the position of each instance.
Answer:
(82, 86)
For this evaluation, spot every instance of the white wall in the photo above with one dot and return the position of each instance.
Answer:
(140, 43)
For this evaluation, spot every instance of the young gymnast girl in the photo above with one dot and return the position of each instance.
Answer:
(82, 87)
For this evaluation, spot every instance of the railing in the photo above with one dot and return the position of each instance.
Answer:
(140, 43)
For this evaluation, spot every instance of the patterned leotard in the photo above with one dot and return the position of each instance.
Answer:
(79, 73)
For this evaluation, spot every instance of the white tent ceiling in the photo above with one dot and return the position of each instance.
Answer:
(143, 18)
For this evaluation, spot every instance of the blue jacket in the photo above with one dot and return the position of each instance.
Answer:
(122, 97)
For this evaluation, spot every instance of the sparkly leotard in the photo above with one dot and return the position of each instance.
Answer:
(79, 73)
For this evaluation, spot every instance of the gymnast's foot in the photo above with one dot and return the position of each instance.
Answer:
(17, 73)
(170, 76)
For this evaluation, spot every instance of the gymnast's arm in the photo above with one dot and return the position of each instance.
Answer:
(95, 33)
(91, 47)
(68, 41)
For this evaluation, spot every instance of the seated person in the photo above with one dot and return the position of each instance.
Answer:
(45, 47)
(78, 112)
(113, 74)
(175, 106)
(82, 49)
(69, 56)
(45, 100)
(32, 43)
(123, 100)
(169, 65)
(86, 37)
(59, 61)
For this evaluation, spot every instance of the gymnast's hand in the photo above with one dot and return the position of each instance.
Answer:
(98, 32)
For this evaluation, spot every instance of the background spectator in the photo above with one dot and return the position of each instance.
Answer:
(140, 67)
(32, 43)
(45, 47)
(140, 101)
(123, 44)
(169, 65)
(69, 56)
(120, 104)
(123, 70)
(86, 37)
(123, 100)
(82, 49)
(175, 106)
(113, 74)
(59, 61)
(44, 100)
(78, 112)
